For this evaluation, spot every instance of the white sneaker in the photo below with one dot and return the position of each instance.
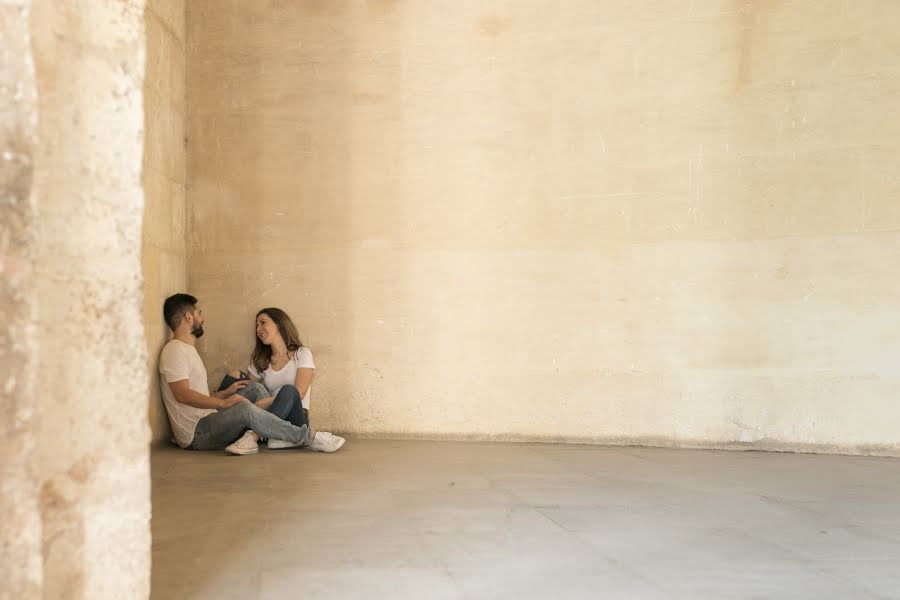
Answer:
(244, 445)
(278, 444)
(326, 442)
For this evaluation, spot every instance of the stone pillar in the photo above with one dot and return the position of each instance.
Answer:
(20, 535)
(73, 378)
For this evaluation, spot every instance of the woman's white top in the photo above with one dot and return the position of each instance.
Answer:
(302, 358)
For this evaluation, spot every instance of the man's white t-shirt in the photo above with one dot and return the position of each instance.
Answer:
(302, 358)
(179, 361)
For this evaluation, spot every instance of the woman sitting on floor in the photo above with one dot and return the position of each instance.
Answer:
(285, 367)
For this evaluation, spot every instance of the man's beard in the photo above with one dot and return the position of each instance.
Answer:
(197, 331)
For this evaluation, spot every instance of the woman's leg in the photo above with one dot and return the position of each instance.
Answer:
(287, 406)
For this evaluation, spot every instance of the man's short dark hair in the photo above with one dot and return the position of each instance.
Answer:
(175, 307)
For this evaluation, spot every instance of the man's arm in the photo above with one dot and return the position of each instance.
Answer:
(184, 394)
(227, 392)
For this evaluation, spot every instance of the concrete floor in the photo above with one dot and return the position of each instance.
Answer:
(385, 519)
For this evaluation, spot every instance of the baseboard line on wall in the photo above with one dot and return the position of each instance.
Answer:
(763, 445)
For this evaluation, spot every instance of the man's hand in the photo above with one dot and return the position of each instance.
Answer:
(231, 401)
(234, 387)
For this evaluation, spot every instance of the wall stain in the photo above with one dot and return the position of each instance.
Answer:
(751, 15)
(493, 25)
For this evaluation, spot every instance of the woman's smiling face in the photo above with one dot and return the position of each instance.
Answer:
(266, 330)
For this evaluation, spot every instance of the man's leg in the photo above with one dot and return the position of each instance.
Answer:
(259, 395)
(218, 430)
(287, 406)
(253, 391)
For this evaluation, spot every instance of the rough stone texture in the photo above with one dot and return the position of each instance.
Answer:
(20, 535)
(666, 223)
(163, 252)
(92, 366)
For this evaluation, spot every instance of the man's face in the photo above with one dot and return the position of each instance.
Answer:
(197, 324)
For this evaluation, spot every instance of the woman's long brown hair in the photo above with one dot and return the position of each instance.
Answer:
(262, 354)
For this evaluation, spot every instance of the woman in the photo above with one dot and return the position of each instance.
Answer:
(285, 367)
(280, 358)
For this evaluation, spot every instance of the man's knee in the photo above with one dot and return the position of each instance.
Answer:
(254, 391)
(244, 410)
(256, 387)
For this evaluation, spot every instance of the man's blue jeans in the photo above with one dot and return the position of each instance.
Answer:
(215, 431)
(286, 405)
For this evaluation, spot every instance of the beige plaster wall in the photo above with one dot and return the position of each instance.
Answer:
(163, 248)
(91, 373)
(664, 222)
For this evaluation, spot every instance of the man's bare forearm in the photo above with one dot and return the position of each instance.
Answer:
(198, 400)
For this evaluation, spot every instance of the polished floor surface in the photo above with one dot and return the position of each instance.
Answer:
(408, 519)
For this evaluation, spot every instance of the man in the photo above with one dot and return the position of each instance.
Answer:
(227, 418)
